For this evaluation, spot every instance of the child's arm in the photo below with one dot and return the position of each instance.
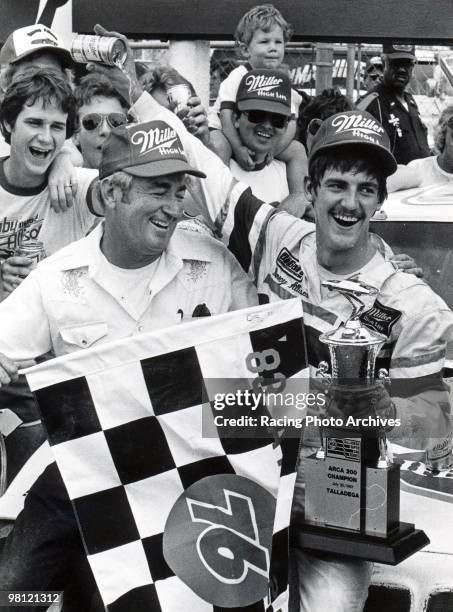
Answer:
(296, 169)
(240, 152)
(295, 159)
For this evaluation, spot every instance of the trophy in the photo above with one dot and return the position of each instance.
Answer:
(351, 485)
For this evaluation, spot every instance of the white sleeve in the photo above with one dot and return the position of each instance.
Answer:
(229, 88)
(84, 179)
(24, 327)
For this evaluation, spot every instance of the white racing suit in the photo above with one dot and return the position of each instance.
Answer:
(279, 253)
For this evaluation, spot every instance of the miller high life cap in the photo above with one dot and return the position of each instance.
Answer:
(32, 39)
(267, 90)
(394, 51)
(354, 128)
(149, 149)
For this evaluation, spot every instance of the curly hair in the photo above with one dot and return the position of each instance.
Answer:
(324, 105)
(440, 129)
(262, 17)
(37, 84)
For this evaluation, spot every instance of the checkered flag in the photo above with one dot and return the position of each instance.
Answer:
(173, 520)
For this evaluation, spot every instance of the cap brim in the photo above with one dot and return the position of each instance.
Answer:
(400, 55)
(63, 55)
(389, 163)
(162, 168)
(270, 106)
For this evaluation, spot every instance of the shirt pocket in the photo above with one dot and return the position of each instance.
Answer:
(84, 335)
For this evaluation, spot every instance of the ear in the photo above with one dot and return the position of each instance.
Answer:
(244, 50)
(308, 188)
(112, 195)
(7, 126)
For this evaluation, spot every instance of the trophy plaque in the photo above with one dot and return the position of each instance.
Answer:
(352, 488)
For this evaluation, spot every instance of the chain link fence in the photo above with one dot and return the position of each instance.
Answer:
(430, 85)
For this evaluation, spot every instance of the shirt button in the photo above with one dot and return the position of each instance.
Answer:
(140, 328)
(84, 342)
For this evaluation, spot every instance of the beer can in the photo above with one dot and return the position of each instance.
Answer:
(33, 250)
(440, 457)
(105, 49)
(178, 96)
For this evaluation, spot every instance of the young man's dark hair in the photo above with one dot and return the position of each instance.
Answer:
(346, 159)
(36, 84)
(327, 103)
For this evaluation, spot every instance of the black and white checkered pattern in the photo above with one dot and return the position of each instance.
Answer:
(125, 429)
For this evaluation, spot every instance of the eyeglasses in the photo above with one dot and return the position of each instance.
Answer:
(258, 116)
(91, 121)
(450, 123)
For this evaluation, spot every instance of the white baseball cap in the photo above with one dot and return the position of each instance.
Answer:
(33, 38)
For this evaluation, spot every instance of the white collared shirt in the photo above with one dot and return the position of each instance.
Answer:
(67, 303)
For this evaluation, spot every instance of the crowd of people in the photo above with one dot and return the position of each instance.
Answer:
(122, 229)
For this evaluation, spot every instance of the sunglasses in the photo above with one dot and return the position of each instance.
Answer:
(91, 121)
(258, 116)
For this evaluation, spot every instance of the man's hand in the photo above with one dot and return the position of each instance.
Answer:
(14, 270)
(195, 119)
(62, 183)
(123, 79)
(243, 158)
(405, 263)
(8, 370)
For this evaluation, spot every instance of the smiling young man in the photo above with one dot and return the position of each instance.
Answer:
(37, 114)
(261, 122)
(349, 162)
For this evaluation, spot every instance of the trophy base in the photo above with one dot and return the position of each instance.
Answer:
(402, 543)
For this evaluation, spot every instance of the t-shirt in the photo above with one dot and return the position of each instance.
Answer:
(429, 172)
(26, 214)
(268, 184)
(227, 96)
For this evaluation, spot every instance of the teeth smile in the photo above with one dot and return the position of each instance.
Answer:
(345, 220)
(160, 224)
(41, 153)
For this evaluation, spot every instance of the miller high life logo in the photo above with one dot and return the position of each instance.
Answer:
(264, 86)
(361, 126)
(157, 139)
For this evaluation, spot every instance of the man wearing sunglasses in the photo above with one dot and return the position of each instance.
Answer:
(99, 109)
(263, 110)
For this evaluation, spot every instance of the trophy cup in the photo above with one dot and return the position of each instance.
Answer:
(351, 486)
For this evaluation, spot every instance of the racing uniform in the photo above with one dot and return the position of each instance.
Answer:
(279, 253)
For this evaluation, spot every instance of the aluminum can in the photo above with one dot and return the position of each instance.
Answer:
(440, 457)
(34, 250)
(178, 95)
(105, 49)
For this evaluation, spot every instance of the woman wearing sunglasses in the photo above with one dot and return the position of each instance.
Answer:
(436, 169)
(100, 108)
